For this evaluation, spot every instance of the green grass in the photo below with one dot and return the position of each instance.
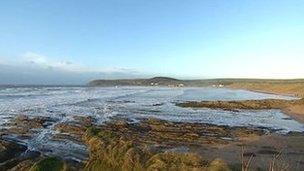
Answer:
(48, 164)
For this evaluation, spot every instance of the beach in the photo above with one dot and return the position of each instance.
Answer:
(150, 128)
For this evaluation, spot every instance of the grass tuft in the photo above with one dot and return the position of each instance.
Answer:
(48, 164)
(114, 152)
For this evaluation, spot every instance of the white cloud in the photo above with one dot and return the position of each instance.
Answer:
(46, 62)
(33, 68)
(35, 58)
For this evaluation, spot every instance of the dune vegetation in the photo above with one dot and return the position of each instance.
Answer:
(49, 164)
(110, 151)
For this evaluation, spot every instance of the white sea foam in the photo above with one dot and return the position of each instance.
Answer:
(133, 103)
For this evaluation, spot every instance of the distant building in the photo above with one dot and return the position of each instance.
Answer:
(219, 86)
(154, 84)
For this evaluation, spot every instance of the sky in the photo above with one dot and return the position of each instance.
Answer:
(74, 41)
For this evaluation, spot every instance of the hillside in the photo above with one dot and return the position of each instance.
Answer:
(280, 86)
(156, 81)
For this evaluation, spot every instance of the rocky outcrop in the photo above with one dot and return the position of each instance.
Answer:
(294, 108)
(73, 130)
(234, 105)
(25, 126)
(123, 146)
(13, 154)
(9, 150)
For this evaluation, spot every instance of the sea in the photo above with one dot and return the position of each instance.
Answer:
(132, 103)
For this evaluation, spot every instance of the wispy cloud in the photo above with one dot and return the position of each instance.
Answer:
(34, 68)
(46, 62)
(35, 58)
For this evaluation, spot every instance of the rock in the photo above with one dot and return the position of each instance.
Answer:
(71, 128)
(84, 120)
(63, 137)
(162, 133)
(70, 131)
(9, 150)
(236, 105)
(10, 154)
(23, 166)
(25, 126)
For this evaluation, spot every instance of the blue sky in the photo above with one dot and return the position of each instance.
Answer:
(141, 38)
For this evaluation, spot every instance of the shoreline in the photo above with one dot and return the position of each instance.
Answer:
(294, 114)
(152, 143)
(184, 139)
(292, 108)
(272, 93)
(152, 139)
